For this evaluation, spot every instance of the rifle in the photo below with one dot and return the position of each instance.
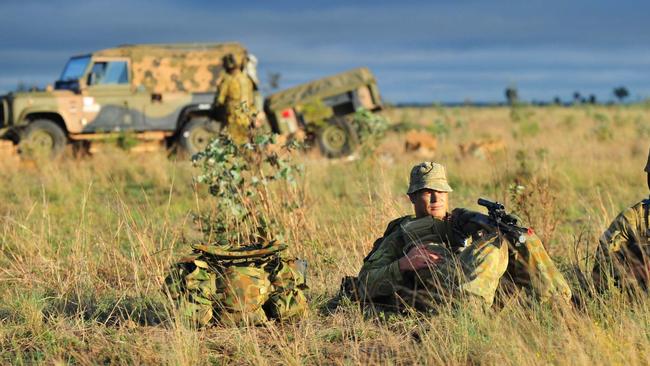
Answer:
(503, 222)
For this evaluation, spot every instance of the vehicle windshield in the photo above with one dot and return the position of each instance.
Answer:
(75, 68)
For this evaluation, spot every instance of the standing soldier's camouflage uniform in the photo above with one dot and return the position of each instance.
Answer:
(236, 96)
(469, 258)
(621, 259)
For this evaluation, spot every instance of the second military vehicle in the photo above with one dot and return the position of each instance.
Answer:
(323, 109)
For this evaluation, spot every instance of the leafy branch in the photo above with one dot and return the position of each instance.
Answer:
(240, 176)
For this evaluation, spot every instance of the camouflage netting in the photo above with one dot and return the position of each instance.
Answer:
(167, 68)
(322, 88)
(238, 285)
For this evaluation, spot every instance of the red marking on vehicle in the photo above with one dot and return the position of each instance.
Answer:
(287, 113)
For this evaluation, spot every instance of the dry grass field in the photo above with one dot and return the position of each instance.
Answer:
(85, 245)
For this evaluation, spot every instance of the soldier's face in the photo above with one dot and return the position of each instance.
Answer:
(430, 202)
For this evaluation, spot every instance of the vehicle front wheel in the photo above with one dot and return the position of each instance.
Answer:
(42, 138)
(197, 133)
(337, 138)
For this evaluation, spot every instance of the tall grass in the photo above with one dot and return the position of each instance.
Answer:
(84, 246)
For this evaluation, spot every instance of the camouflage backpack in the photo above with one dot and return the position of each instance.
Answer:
(238, 285)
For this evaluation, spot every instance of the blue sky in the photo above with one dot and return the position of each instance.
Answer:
(420, 51)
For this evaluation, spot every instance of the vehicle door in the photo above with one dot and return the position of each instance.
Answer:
(163, 109)
(108, 98)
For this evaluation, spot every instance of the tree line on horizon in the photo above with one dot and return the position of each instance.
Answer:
(621, 93)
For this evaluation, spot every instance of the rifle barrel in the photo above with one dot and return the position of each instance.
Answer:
(490, 205)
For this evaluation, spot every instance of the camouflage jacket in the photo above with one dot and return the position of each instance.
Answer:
(233, 90)
(380, 275)
(623, 247)
(529, 264)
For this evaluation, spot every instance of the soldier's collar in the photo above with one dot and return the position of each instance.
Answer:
(428, 220)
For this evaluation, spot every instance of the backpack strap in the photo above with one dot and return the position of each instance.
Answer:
(252, 251)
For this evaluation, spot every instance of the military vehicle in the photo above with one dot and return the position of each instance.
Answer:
(323, 109)
(156, 91)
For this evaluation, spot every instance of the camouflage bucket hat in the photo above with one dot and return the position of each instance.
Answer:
(430, 176)
(647, 164)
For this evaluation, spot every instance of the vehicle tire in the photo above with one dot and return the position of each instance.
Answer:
(197, 133)
(42, 138)
(337, 138)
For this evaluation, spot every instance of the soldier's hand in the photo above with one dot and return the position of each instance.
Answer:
(418, 257)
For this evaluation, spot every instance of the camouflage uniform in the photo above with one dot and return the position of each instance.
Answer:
(236, 95)
(475, 260)
(621, 259)
(471, 265)
(238, 285)
(531, 268)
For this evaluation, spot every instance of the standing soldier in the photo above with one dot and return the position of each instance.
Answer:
(235, 95)
(622, 258)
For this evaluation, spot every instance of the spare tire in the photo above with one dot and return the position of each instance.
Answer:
(337, 138)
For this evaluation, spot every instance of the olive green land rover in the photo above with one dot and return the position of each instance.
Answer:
(155, 91)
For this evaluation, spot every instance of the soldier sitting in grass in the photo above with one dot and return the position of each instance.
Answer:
(438, 255)
(622, 258)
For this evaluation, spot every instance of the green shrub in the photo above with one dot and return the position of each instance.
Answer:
(239, 176)
(371, 127)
